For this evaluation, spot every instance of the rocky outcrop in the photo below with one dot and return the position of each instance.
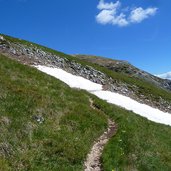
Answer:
(30, 54)
(33, 55)
(125, 67)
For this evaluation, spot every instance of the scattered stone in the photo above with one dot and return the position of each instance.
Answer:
(38, 118)
(4, 120)
(1, 38)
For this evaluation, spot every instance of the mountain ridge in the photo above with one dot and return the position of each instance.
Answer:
(125, 67)
(134, 87)
(46, 125)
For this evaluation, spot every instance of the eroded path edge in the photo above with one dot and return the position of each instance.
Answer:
(93, 162)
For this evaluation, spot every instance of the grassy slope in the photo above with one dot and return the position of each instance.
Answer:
(144, 87)
(138, 145)
(63, 140)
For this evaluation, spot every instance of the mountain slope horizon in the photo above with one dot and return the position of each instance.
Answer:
(117, 79)
(58, 124)
(126, 67)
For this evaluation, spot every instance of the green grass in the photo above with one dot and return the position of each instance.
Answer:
(138, 145)
(145, 88)
(69, 128)
(63, 140)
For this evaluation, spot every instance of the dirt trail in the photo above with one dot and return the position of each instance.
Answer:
(92, 162)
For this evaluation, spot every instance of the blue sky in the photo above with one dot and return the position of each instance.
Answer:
(138, 31)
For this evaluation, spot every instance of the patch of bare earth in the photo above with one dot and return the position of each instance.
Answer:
(93, 162)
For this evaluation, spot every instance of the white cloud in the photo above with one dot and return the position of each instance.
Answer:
(139, 14)
(109, 6)
(165, 75)
(105, 16)
(112, 13)
(108, 14)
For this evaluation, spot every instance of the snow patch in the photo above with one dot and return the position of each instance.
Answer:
(70, 79)
(74, 81)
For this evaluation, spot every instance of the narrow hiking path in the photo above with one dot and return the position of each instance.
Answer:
(93, 162)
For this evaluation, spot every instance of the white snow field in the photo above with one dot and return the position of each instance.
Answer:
(74, 81)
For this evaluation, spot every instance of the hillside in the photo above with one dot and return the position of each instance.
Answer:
(46, 125)
(124, 67)
(134, 87)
